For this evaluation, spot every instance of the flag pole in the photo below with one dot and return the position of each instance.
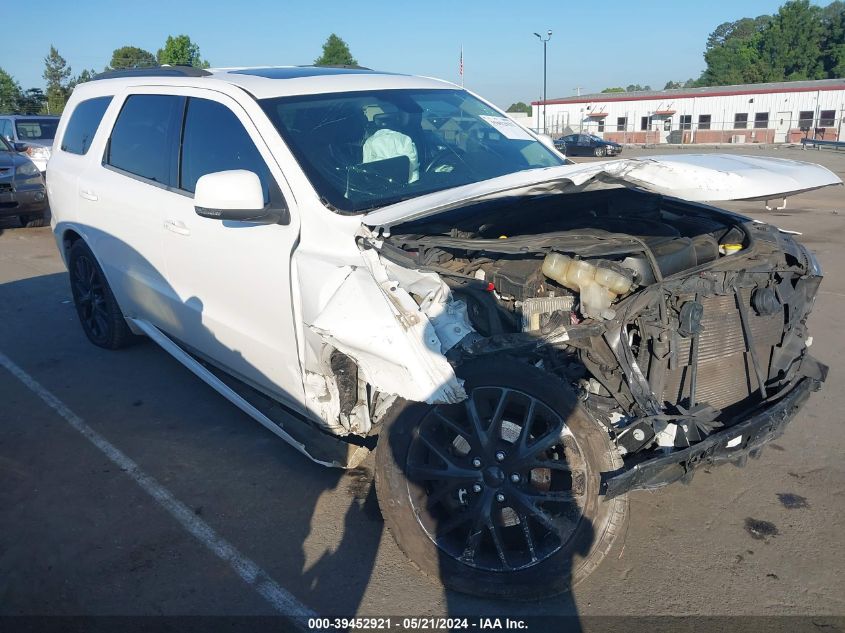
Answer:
(462, 66)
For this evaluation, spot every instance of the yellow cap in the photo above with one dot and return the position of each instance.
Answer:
(503, 237)
(730, 248)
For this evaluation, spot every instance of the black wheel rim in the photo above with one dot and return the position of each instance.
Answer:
(497, 482)
(90, 296)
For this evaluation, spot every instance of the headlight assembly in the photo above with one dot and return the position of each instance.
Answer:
(27, 169)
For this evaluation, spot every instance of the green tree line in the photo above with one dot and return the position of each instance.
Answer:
(801, 41)
(177, 50)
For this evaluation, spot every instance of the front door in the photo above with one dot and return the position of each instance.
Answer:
(232, 279)
(783, 123)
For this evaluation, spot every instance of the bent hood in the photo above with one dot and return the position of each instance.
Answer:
(694, 177)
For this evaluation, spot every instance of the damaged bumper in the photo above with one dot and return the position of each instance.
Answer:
(734, 444)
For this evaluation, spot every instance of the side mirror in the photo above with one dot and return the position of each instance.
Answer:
(20, 147)
(233, 195)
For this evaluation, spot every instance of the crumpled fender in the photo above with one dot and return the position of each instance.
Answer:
(398, 344)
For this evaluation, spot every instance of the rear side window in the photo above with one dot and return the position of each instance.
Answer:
(83, 125)
(143, 139)
(215, 140)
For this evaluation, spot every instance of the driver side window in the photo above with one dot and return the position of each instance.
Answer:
(214, 140)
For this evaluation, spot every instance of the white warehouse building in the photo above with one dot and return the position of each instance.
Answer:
(753, 113)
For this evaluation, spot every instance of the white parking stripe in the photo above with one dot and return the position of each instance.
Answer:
(281, 600)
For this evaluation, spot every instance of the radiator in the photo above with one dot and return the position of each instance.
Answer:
(725, 370)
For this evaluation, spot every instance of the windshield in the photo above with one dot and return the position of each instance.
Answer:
(365, 150)
(36, 129)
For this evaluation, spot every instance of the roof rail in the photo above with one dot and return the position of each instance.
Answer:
(155, 71)
(349, 66)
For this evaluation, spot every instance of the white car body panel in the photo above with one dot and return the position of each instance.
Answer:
(693, 177)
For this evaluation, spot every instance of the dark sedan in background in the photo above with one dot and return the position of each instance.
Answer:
(22, 191)
(587, 145)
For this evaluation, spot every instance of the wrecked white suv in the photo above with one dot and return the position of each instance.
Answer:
(355, 257)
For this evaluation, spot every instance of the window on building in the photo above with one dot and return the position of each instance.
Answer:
(83, 125)
(740, 120)
(805, 119)
(761, 120)
(644, 123)
(601, 125)
(215, 140)
(621, 123)
(827, 118)
(686, 121)
(703, 121)
(143, 139)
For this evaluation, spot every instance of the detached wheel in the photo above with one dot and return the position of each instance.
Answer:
(96, 306)
(499, 495)
(599, 151)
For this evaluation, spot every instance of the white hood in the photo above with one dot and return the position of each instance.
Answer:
(694, 177)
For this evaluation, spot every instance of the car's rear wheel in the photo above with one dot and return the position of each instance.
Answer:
(599, 151)
(499, 495)
(96, 306)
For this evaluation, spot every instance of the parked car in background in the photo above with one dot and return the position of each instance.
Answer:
(587, 145)
(363, 260)
(22, 191)
(36, 131)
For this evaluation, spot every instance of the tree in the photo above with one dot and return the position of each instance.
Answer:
(792, 41)
(81, 78)
(133, 57)
(10, 93)
(833, 45)
(335, 53)
(519, 106)
(673, 85)
(180, 50)
(56, 74)
(733, 53)
(34, 101)
(618, 89)
(637, 87)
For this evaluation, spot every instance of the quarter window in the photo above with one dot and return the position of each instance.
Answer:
(740, 120)
(215, 140)
(83, 125)
(142, 141)
(761, 120)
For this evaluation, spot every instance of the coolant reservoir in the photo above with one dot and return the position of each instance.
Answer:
(598, 286)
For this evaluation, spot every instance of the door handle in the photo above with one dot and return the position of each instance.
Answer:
(177, 226)
(88, 194)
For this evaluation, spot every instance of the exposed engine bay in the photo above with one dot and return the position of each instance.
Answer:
(669, 319)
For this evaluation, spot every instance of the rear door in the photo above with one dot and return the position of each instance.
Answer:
(122, 197)
(233, 279)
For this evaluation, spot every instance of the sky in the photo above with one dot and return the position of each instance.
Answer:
(594, 45)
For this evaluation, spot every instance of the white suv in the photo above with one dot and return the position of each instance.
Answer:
(349, 255)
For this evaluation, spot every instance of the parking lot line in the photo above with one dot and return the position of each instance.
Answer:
(279, 598)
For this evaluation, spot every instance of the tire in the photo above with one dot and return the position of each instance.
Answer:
(32, 221)
(426, 511)
(99, 314)
(599, 152)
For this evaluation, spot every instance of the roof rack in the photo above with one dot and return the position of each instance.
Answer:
(349, 66)
(155, 71)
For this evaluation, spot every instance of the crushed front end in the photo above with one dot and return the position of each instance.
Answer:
(681, 327)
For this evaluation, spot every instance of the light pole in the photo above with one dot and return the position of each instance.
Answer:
(545, 41)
